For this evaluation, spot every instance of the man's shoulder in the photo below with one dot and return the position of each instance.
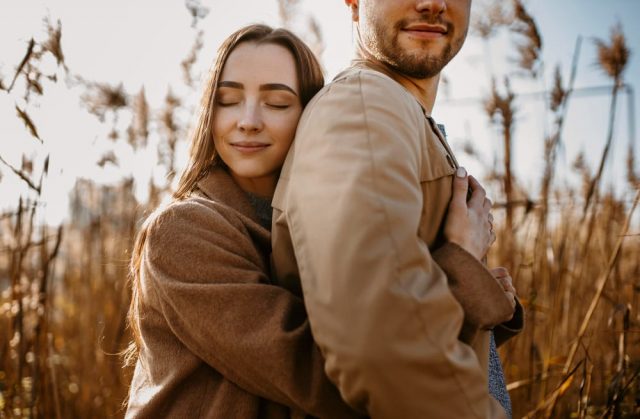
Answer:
(361, 85)
(360, 89)
(356, 73)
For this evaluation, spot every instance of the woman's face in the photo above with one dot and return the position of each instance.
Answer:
(256, 113)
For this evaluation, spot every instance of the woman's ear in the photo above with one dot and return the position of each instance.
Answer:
(353, 5)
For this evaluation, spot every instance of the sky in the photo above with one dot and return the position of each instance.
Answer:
(141, 43)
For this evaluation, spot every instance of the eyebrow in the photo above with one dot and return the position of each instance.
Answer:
(263, 87)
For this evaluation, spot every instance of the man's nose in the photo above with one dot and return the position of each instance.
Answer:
(433, 7)
(251, 119)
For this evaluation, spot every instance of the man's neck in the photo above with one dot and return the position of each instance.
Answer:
(424, 90)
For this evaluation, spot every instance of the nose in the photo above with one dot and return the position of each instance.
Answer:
(432, 7)
(250, 120)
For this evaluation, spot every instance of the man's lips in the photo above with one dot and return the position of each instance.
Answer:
(425, 30)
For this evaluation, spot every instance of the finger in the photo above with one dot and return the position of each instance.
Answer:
(460, 187)
(511, 288)
(507, 284)
(491, 218)
(499, 272)
(512, 299)
(487, 204)
(478, 193)
(507, 279)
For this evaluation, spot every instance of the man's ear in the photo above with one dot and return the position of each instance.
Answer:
(353, 5)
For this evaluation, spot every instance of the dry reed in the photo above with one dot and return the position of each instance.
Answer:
(63, 294)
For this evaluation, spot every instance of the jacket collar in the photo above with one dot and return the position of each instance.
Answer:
(219, 186)
(380, 68)
(362, 63)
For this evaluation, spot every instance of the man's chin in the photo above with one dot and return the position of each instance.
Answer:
(417, 66)
(425, 52)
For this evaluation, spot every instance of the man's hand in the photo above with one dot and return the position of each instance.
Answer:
(469, 222)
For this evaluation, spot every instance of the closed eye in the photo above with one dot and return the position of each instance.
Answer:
(274, 106)
(226, 104)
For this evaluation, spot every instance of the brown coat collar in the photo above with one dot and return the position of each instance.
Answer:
(219, 186)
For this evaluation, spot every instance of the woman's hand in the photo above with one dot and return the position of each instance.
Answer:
(469, 222)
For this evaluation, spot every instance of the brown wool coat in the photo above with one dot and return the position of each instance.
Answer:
(218, 339)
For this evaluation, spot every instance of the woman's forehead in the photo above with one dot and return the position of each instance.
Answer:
(255, 64)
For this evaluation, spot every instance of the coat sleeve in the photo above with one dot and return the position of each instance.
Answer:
(483, 300)
(205, 275)
(505, 331)
(379, 306)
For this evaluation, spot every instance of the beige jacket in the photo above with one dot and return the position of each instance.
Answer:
(361, 202)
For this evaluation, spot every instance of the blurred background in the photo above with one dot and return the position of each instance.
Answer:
(96, 104)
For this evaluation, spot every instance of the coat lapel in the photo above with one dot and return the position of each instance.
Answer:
(220, 187)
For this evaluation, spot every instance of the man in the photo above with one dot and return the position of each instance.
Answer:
(361, 203)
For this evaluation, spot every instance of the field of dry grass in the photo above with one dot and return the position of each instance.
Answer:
(573, 252)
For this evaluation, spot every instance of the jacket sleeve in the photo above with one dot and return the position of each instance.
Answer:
(205, 275)
(505, 331)
(380, 308)
(483, 300)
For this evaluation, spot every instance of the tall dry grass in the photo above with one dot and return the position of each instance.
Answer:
(571, 249)
(572, 252)
(64, 294)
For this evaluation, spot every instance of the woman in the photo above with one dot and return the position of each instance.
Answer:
(215, 339)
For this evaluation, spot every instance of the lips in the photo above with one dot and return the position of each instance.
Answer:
(425, 27)
(425, 30)
(249, 146)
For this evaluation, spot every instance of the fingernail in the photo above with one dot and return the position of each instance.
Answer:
(461, 172)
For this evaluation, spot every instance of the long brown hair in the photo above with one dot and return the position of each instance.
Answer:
(202, 155)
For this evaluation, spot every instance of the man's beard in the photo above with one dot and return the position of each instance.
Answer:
(386, 47)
